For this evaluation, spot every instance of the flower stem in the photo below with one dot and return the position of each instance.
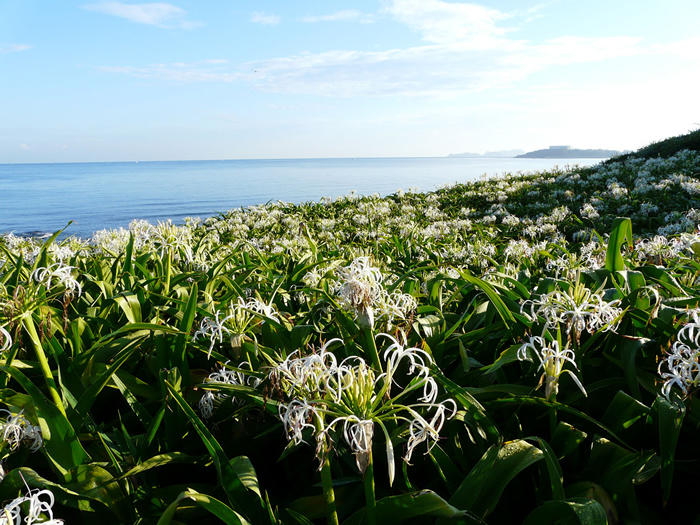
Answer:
(328, 493)
(371, 348)
(371, 503)
(168, 264)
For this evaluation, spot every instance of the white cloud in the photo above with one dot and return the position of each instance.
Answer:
(157, 13)
(265, 19)
(447, 22)
(13, 48)
(346, 15)
(24, 147)
(466, 51)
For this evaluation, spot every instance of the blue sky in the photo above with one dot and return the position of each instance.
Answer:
(104, 80)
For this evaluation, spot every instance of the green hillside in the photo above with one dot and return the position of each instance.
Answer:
(665, 148)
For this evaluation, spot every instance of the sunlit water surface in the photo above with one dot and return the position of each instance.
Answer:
(39, 198)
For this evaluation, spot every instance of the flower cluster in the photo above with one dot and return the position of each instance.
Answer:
(37, 506)
(360, 289)
(242, 316)
(681, 367)
(326, 394)
(579, 308)
(225, 376)
(552, 360)
(16, 429)
(61, 274)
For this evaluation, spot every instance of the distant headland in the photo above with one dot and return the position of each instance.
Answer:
(567, 152)
(552, 152)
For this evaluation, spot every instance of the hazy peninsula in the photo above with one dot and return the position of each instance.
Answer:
(567, 152)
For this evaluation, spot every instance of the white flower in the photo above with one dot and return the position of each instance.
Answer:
(5, 339)
(681, 367)
(40, 504)
(351, 393)
(58, 273)
(225, 376)
(579, 308)
(17, 429)
(265, 309)
(296, 416)
(552, 360)
(422, 430)
(213, 329)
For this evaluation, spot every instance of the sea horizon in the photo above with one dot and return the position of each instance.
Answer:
(39, 198)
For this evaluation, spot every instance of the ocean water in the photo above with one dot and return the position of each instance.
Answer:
(41, 198)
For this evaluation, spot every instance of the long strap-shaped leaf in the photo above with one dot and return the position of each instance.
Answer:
(211, 505)
(234, 476)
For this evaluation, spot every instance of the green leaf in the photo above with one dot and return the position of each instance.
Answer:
(158, 461)
(60, 440)
(475, 412)
(482, 488)
(621, 233)
(424, 503)
(566, 439)
(130, 305)
(86, 401)
(493, 296)
(235, 477)
(670, 421)
(623, 412)
(556, 475)
(208, 503)
(17, 480)
(575, 511)
(93, 481)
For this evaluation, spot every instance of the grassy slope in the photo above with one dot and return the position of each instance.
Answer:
(665, 148)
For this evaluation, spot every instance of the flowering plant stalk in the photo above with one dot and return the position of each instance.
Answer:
(326, 396)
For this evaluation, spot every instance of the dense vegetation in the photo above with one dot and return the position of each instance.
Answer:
(523, 348)
(665, 148)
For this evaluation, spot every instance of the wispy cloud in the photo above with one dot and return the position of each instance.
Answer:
(346, 15)
(447, 22)
(466, 49)
(264, 18)
(13, 48)
(156, 13)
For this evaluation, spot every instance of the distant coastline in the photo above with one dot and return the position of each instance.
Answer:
(552, 152)
(567, 152)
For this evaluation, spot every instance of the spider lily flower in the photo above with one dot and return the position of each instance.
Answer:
(5, 339)
(681, 367)
(213, 329)
(579, 309)
(421, 430)
(552, 360)
(419, 364)
(58, 273)
(39, 504)
(264, 309)
(295, 418)
(240, 320)
(16, 429)
(361, 285)
(327, 394)
(358, 434)
(224, 376)
(361, 290)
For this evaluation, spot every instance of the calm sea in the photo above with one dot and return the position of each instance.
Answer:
(39, 198)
